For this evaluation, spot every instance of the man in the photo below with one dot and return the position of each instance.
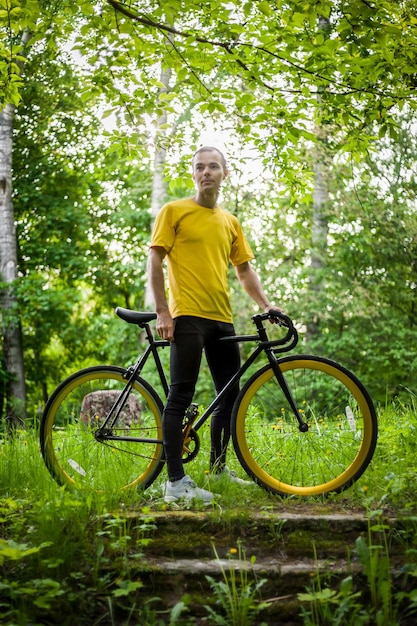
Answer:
(199, 239)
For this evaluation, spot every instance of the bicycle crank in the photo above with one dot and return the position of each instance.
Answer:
(190, 444)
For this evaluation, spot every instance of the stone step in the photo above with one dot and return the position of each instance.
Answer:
(188, 534)
(286, 550)
(282, 580)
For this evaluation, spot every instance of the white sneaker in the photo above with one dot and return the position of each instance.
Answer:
(231, 476)
(187, 489)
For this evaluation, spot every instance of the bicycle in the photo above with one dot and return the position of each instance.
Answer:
(301, 424)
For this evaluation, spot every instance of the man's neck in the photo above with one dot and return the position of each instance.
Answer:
(209, 201)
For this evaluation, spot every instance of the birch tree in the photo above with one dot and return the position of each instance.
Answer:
(14, 391)
(12, 339)
(23, 24)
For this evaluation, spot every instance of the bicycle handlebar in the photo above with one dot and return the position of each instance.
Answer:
(290, 339)
(275, 314)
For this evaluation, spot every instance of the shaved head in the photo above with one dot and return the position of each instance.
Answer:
(211, 149)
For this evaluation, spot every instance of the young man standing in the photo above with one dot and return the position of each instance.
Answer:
(198, 239)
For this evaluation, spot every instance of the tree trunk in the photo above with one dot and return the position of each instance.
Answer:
(320, 221)
(158, 184)
(15, 411)
(318, 245)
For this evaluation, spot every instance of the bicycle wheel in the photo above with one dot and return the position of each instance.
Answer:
(72, 415)
(341, 436)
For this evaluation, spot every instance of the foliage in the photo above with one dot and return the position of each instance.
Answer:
(328, 606)
(273, 73)
(281, 57)
(366, 311)
(81, 557)
(82, 225)
(365, 598)
(368, 314)
(236, 594)
(359, 56)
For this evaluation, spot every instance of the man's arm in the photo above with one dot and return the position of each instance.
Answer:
(164, 321)
(249, 280)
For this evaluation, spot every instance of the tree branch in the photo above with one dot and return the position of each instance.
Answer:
(146, 21)
(230, 49)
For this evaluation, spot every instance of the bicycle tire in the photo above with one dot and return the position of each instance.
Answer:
(71, 452)
(341, 437)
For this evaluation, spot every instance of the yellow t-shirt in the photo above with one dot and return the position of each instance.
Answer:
(199, 243)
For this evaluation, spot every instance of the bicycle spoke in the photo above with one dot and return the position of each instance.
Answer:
(75, 450)
(341, 433)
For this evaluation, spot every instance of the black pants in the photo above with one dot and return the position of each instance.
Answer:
(192, 335)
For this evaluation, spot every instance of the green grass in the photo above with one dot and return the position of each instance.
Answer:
(70, 553)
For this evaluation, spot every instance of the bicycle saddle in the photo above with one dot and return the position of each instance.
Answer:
(135, 317)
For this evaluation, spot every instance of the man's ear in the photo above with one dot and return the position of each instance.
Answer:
(226, 173)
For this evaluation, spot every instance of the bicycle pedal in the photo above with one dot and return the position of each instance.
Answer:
(191, 413)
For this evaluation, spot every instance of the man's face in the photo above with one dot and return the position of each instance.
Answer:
(208, 171)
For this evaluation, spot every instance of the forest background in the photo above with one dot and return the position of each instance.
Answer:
(102, 105)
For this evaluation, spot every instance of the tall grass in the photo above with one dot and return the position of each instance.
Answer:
(59, 549)
(391, 479)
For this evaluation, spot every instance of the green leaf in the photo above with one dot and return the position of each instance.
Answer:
(126, 587)
(264, 7)
(12, 551)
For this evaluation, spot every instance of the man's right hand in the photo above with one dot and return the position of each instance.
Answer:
(165, 325)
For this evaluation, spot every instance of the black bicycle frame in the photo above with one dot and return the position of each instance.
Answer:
(104, 433)
(265, 345)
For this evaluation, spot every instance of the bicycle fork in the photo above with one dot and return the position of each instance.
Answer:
(302, 425)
